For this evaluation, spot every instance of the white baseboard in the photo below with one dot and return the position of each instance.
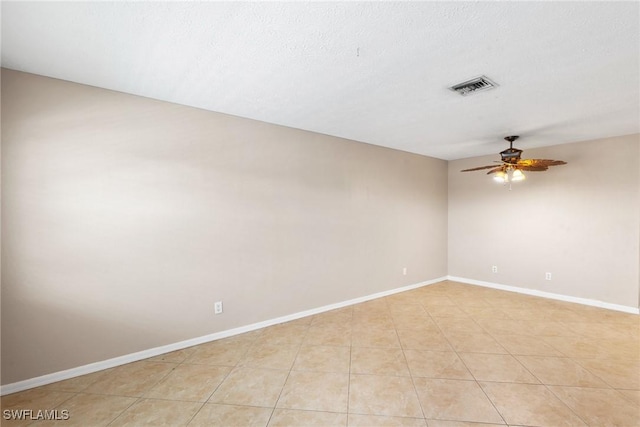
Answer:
(145, 354)
(550, 295)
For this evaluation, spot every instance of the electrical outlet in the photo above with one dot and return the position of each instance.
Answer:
(494, 268)
(217, 307)
(404, 271)
(547, 276)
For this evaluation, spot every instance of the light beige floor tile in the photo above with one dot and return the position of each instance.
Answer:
(578, 347)
(244, 338)
(383, 395)
(92, 410)
(620, 348)
(632, 396)
(177, 356)
(285, 333)
(455, 400)
(133, 379)
(443, 423)
(597, 314)
(249, 386)
(319, 358)
(213, 414)
(304, 321)
(221, 353)
(328, 335)
(401, 298)
(497, 367)
(418, 314)
(547, 328)
(599, 407)
(436, 364)
(428, 301)
(623, 374)
(315, 391)
(474, 343)
(465, 303)
(530, 404)
(520, 313)
(413, 321)
(291, 417)
(602, 330)
(190, 382)
(447, 311)
(373, 306)
(76, 384)
(526, 345)
(341, 316)
(382, 338)
(560, 371)
(35, 399)
(270, 356)
(377, 322)
(406, 308)
(380, 361)
(154, 412)
(485, 312)
(454, 325)
(356, 420)
(423, 340)
(504, 326)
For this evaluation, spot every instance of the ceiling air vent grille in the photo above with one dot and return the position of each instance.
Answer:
(479, 84)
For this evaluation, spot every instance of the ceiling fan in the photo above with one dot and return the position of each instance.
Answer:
(512, 165)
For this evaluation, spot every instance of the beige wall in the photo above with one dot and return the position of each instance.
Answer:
(125, 218)
(581, 222)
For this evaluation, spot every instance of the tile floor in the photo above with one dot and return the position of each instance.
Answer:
(446, 355)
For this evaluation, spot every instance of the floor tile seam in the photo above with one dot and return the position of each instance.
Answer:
(472, 422)
(413, 383)
(320, 411)
(218, 386)
(629, 399)
(213, 365)
(386, 415)
(145, 394)
(378, 375)
(59, 405)
(93, 393)
(518, 356)
(167, 399)
(349, 379)
(600, 377)
(567, 405)
(123, 411)
(286, 380)
(513, 356)
(196, 413)
(483, 390)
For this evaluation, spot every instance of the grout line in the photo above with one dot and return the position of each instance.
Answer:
(471, 373)
(275, 405)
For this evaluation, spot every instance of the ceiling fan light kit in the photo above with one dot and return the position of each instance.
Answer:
(512, 165)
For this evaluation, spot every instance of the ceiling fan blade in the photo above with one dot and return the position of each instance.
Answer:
(533, 168)
(498, 169)
(478, 168)
(540, 162)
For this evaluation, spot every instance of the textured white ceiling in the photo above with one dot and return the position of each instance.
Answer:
(375, 72)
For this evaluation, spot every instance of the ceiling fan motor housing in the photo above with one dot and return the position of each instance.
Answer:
(511, 155)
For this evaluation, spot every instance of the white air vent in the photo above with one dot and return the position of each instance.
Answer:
(469, 87)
